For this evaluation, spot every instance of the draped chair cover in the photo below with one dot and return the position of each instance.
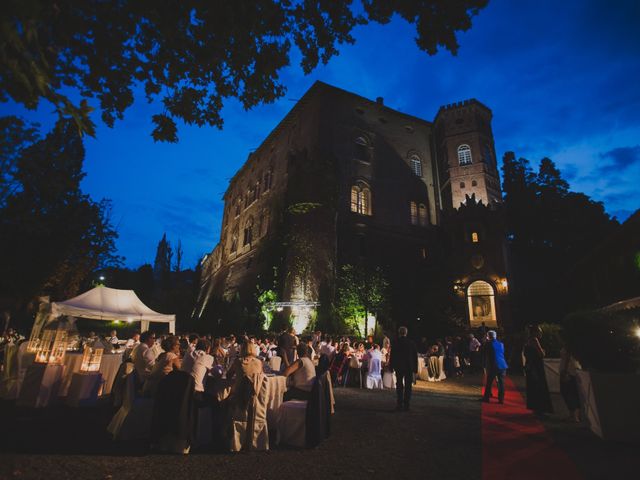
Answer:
(374, 377)
(248, 414)
(133, 419)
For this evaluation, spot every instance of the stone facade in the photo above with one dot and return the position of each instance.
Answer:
(346, 180)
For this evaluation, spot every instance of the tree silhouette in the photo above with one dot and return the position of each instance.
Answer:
(52, 236)
(192, 55)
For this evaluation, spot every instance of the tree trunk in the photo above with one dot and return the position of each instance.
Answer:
(366, 323)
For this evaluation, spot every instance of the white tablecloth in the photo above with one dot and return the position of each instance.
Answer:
(108, 368)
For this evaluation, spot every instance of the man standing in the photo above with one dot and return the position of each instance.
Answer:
(404, 361)
(495, 365)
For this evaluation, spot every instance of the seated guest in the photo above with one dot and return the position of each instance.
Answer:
(246, 365)
(113, 339)
(166, 362)
(133, 341)
(200, 363)
(302, 373)
(143, 356)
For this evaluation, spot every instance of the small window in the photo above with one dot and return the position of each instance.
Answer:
(361, 199)
(413, 210)
(474, 183)
(234, 240)
(267, 179)
(422, 214)
(248, 232)
(464, 155)
(474, 237)
(238, 206)
(461, 184)
(416, 165)
(362, 151)
(423, 253)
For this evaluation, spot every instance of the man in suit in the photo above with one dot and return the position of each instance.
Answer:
(495, 366)
(404, 361)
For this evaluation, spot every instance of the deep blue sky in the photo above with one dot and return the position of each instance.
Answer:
(562, 79)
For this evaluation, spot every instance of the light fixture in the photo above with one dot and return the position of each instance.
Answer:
(101, 278)
(504, 283)
(637, 332)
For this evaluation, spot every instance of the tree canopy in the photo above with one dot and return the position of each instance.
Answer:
(549, 229)
(52, 236)
(189, 54)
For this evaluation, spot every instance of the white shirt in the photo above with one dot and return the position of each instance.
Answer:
(303, 377)
(143, 360)
(474, 345)
(200, 363)
(327, 349)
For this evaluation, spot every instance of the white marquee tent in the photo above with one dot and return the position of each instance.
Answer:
(103, 303)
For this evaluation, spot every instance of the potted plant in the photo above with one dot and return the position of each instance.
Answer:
(606, 343)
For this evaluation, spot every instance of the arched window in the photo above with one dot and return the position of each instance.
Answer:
(474, 237)
(461, 184)
(482, 304)
(362, 151)
(464, 155)
(416, 165)
(413, 210)
(361, 199)
(422, 214)
(248, 232)
(234, 240)
(474, 183)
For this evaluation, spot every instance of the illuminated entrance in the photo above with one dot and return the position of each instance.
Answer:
(482, 304)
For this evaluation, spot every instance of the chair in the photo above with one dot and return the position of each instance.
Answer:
(119, 384)
(374, 377)
(248, 415)
(355, 368)
(307, 423)
(389, 379)
(173, 420)
(132, 421)
(442, 375)
(275, 363)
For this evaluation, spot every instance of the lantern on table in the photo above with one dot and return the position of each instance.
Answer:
(91, 359)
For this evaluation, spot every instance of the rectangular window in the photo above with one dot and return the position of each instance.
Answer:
(414, 213)
(474, 237)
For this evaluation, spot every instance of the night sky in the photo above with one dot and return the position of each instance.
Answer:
(562, 79)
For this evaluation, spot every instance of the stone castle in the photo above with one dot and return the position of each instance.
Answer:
(346, 180)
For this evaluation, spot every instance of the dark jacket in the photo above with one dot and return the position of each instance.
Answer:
(404, 355)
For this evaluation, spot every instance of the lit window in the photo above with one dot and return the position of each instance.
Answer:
(416, 166)
(361, 199)
(464, 155)
(422, 214)
(474, 237)
(424, 253)
(414, 213)
(362, 151)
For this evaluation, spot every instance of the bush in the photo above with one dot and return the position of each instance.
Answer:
(604, 341)
(551, 339)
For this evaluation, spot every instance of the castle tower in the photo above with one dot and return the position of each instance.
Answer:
(466, 154)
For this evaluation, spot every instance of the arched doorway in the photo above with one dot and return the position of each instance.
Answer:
(481, 299)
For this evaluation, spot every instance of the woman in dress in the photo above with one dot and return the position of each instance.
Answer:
(303, 373)
(538, 398)
(166, 362)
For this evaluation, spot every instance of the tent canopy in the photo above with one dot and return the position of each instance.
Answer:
(103, 303)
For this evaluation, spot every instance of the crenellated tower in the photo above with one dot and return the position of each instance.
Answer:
(466, 154)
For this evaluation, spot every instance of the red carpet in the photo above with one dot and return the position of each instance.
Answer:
(515, 444)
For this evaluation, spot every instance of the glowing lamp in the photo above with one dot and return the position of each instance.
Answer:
(637, 332)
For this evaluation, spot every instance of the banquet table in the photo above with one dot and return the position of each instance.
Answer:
(108, 368)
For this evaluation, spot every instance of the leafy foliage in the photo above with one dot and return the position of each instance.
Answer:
(52, 235)
(549, 228)
(361, 291)
(190, 54)
(604, 341)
